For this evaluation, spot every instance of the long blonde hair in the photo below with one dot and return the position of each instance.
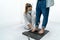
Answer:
(26, 7)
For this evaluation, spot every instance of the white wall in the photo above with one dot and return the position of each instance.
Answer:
(55, 12)
(8, 12)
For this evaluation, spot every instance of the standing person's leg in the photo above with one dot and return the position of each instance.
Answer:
(45, 20)
(45, 12)
(38, 15)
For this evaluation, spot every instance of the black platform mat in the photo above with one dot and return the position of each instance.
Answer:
(34, 35)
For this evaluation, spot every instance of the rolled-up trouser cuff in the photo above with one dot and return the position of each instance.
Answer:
(36, 26)
(44, 27)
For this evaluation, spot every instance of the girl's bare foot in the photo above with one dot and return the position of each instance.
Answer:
(41, 31)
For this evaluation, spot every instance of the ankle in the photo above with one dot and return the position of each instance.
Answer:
(42, 28)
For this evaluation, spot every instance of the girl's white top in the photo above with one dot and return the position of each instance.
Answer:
(30, 18)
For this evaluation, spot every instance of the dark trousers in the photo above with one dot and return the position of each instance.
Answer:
(41, 9)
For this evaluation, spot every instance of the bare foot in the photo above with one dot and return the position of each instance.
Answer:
(41, 31)
(34, 29)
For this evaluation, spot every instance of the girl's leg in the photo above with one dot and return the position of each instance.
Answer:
(45, 12)
(38, 15)
(45, 18)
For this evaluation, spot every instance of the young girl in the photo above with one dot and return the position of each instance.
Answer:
(29, 16)
(42, 7)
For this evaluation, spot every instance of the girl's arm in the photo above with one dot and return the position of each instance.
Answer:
(33, 17)
(26, 20)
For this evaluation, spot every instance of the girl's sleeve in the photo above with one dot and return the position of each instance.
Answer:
(33, 14)
(33, 17)
(26, 20)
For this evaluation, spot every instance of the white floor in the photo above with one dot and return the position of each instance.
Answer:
(15, 32)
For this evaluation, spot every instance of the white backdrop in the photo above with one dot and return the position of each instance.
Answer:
(8, 12)
(11, 11)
